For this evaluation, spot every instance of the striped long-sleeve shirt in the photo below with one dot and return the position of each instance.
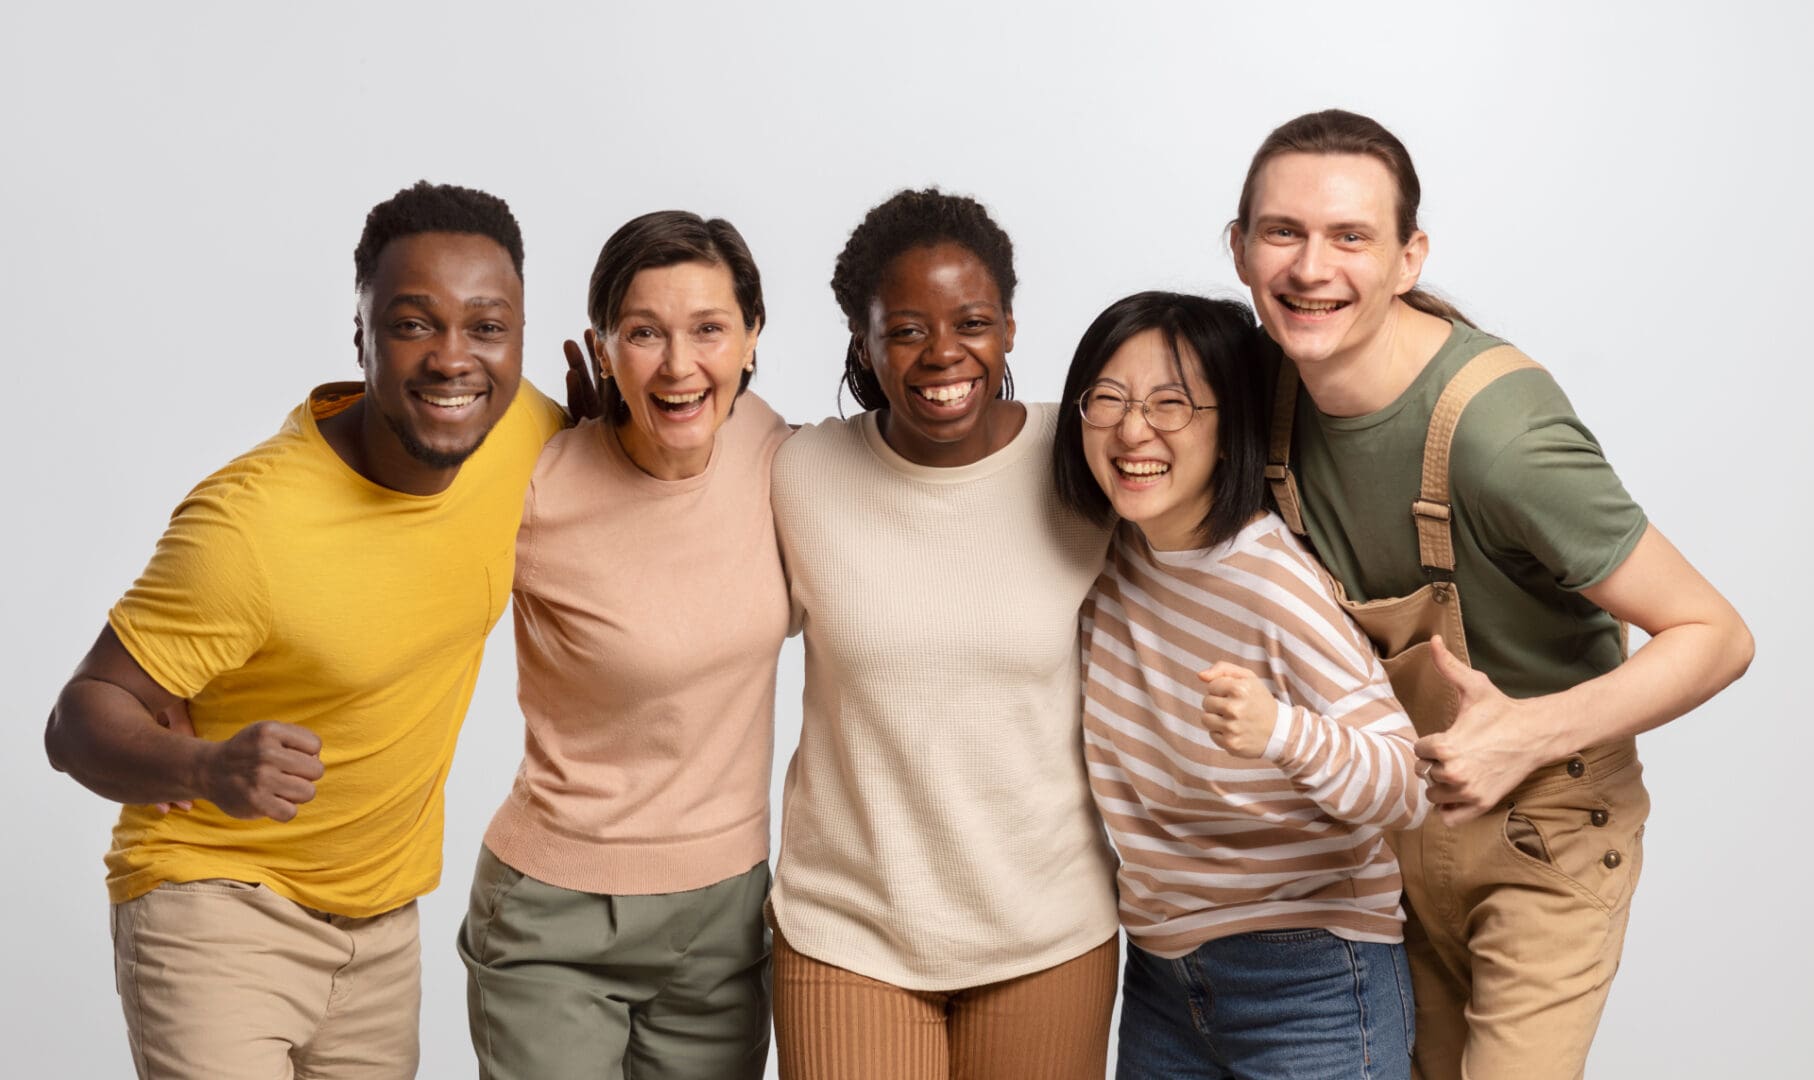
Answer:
(1213, 844)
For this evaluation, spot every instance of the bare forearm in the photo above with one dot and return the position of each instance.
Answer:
(110, 743)
(1673, 673)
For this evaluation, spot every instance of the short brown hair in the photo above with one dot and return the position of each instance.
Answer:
(669, 238)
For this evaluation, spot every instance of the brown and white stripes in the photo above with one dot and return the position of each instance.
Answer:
(1213, 844)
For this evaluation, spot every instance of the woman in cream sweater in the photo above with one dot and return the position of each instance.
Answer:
(944, 897)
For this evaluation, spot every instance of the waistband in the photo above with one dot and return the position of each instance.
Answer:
(1595, 761)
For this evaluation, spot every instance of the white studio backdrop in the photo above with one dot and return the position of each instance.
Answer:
(1619, 189)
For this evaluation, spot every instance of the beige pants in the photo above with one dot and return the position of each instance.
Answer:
(226, 979)
(1517, 918)
(833, 1024)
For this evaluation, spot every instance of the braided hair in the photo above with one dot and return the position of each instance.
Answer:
(909, 220)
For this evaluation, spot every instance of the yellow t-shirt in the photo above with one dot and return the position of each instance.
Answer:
(288, 587)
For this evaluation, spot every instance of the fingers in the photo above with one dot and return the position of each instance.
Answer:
(1228, 686)
(1453, 814)
(296, 763)
(1232, 735)
(265, 770)
(280, 797)
(294, 737)
(583, 400)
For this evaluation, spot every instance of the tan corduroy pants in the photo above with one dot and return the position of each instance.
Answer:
(226, 979)
(833, 1024)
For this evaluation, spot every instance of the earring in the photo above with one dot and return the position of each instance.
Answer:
(751, 366)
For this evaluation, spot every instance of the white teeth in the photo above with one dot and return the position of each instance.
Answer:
(1143, 468)
(1299, 303)
(680, 399)
(946, 395)
(449, 402)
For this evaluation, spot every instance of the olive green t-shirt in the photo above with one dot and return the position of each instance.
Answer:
(1537, 514)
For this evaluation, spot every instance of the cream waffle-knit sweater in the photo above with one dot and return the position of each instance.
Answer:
(937, 827)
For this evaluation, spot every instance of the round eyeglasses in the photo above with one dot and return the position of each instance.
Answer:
(1164, 410)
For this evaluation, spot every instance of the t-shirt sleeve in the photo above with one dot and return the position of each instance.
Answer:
(202, 605)
(547, 417)
(526, 567)
(1551, 494)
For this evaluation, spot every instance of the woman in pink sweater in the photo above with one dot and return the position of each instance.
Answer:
(616, 915)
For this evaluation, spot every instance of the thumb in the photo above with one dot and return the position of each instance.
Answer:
(1222, 669)
(1451, 669)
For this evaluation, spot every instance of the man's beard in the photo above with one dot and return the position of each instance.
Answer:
(428, 455)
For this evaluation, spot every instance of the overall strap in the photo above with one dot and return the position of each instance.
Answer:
(1278, 452)
(1435, 545)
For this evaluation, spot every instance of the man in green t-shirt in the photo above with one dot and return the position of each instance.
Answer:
(1518, 887)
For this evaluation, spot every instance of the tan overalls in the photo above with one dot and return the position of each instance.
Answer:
(1516, 919)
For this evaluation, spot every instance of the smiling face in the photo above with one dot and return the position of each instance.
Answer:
(937, 339)
(1322, 254)
(440, 337)
(678, 353)
(1159, 480)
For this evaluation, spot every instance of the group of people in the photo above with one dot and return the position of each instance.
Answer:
(1320, 621)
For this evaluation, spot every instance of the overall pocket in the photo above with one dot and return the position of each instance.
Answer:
(1588, 834)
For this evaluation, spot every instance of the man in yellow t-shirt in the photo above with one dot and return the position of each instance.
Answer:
(322, 603)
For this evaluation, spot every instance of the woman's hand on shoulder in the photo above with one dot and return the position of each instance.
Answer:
(584, 402)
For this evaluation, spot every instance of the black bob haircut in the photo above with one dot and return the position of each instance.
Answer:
(668, 238)
(424, 208)
(1220, 338)
(909, 220)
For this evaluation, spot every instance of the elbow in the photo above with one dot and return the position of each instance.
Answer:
(56, 741)
(67, 737)
(1741, 648)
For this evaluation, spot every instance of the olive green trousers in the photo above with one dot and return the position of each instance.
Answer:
(563, 984)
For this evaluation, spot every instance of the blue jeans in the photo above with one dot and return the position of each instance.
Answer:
(1265, 1006)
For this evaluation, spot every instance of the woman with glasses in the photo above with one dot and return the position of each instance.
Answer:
(1244, 746)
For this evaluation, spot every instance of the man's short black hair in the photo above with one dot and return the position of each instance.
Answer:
(423, 208)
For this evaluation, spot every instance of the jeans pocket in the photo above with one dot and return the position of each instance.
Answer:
(1291, 936)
